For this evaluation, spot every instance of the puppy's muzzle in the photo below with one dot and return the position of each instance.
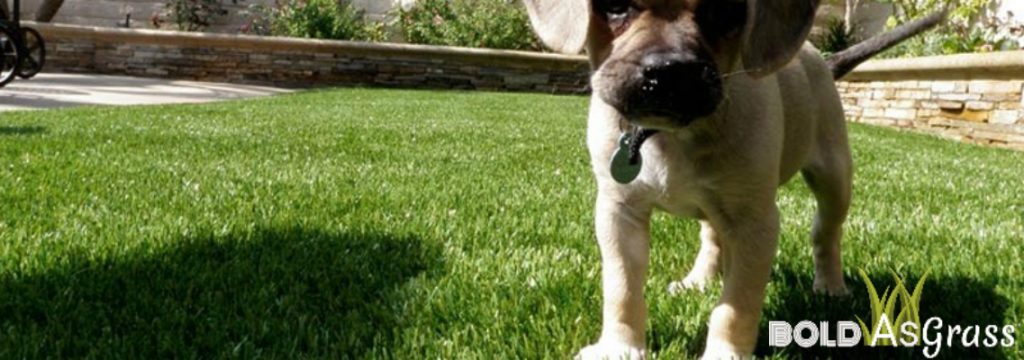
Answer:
(674, 88)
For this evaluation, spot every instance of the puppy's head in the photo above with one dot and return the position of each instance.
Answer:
(661, 63)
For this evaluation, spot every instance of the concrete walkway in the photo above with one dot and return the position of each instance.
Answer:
(62, 90)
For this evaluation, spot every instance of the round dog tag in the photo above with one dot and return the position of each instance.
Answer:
(622, 171)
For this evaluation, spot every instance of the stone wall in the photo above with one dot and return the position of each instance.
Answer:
(974, 98)
(305, 62)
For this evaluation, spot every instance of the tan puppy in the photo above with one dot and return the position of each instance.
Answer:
(740, 105)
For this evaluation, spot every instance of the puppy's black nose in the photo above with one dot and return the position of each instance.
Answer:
(676, 86)
(663, 66)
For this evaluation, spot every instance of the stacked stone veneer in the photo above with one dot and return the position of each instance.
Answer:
(975, 98)
(305, 62)
(978, 111)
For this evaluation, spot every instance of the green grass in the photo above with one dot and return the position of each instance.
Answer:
(414, 224)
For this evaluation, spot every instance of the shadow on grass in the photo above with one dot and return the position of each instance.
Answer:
(956, 300)
(21, 130)
(271, 293)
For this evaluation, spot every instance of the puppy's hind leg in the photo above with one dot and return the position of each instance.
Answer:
(830, 179)
(707, 264)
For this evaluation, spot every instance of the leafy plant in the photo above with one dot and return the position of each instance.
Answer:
(969, 27)
(259, 20)
(190, 15)
(885, 306)
(319, 19)
(837, 36)
(1002, 33)
(500, 24)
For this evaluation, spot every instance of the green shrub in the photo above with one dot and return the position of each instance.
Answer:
(968, 28)
(499, 24)
(318, 19)
(835, 38)
(259, 20)
(190, 15)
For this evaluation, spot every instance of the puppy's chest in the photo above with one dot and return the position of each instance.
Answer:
(675, 178)
(678, 172)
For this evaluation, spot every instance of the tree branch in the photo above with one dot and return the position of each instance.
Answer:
(48, 9)
(5, 12)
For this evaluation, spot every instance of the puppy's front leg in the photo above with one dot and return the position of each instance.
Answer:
(750, 241)
(623, 235)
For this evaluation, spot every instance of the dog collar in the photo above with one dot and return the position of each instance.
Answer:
(626, 161)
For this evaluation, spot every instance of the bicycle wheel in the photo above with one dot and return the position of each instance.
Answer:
(8, 56)
(35, 54)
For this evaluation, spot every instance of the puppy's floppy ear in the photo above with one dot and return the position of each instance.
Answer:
(777, 29)
(561, 24)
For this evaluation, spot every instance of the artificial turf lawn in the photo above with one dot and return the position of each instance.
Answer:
(417, 224)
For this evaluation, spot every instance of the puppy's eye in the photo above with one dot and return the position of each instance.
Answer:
(618, 7)
(618, 13)
(612, 8)
(719, 19)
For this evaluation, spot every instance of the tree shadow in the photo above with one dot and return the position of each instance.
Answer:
(278, 293)
(955, 299)
(21, 130)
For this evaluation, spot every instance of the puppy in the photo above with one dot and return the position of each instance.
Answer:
(731, 103)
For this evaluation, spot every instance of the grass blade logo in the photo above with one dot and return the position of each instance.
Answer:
(895, 322)
(883, 310)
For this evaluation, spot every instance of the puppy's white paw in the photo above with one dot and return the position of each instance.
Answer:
(611, 351)
(692, 282)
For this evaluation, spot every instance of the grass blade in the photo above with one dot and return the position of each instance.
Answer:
(876, 303)
(867, 332)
